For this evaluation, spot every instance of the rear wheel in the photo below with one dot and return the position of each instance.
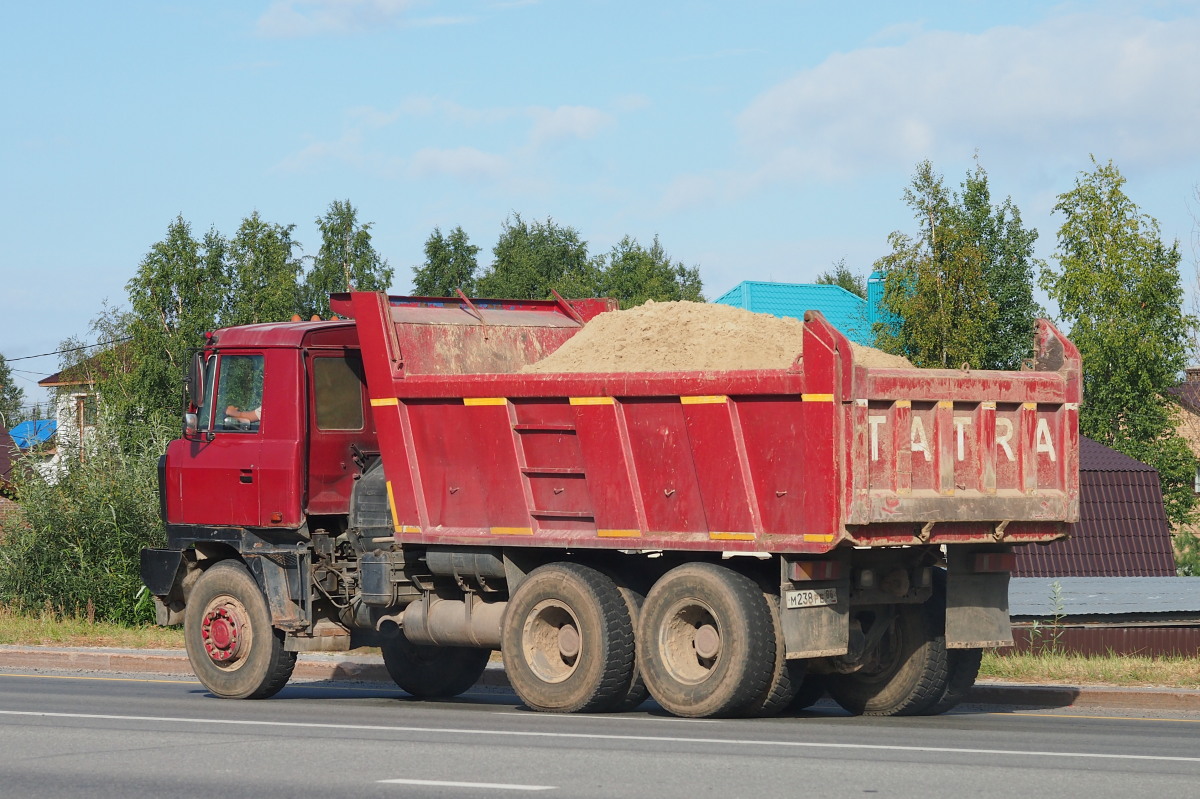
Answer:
(637, 692)
(962, 667)
(903, 675)
(433, 672)
(706, 641)
(232, 647)
(786, 676)
(568, 640)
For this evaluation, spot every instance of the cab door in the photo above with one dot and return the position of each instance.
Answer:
(340, 428)
(222, 463)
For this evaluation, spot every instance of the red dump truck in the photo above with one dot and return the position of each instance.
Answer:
(730, 542)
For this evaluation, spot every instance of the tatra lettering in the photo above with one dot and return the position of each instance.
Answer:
(919, 440)
(960, 423)
(1044, 442)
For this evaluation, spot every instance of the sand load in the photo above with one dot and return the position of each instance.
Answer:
(689, 336)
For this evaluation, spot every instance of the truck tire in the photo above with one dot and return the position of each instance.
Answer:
(232, 647)
(432, 672)
(962, 665)
(962, 669)
(637, 692)
(706, 642)
(905, 676)
(786, 676)
(568, 640)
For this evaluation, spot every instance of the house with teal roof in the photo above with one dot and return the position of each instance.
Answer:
(845, 310)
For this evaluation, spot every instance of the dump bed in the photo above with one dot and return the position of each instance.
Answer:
(801, 459)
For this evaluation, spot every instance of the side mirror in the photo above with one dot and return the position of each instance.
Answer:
(195, 381)
(191, 425)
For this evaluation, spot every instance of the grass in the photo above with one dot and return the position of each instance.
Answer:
(49, 629)
(1060, 668)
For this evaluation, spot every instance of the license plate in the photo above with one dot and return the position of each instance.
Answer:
(811, 598)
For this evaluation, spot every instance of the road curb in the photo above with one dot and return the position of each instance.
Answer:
(344, 668)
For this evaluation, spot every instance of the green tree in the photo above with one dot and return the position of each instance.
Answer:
(840, 275)
(11, 396)
(174, 298)
(263, 273)
(533, 258)
(1118, 287)
(1006, 248)
(934, 284)
(962, 290)
(76, 551)
(450, 263)
(632, 274)
(347, 260)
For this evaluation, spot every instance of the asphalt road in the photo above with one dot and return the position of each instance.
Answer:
(112, 736)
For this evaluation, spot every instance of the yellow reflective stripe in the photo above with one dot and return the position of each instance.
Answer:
(592, 400)
(392, 505)
(818, 539)
(715, 399)
(619, 533)
(816, 397)
(512, 531)
(903, 403)
(485, 401)
(384, 401)
(945, 404)
(408, 528)
(731, 536)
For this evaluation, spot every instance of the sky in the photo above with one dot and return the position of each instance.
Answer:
(759, 140)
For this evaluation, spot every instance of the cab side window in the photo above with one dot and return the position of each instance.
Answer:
(204, 412)
(337, 390)
(238, 403)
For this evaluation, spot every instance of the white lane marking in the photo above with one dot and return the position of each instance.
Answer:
(589, 736)
(617, 717)
(496, 786)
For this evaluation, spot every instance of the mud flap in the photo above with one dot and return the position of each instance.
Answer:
(976, 606)
(815, 616)
(284, 578)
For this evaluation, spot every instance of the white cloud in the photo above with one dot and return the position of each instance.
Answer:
(499, 144)
(464, 163)
(688, 191)
(296, 18)
(552, 125)
(1126, 88)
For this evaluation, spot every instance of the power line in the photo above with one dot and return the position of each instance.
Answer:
(72, 349)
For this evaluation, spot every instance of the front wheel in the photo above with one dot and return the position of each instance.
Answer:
(432, 672)
(233, 649)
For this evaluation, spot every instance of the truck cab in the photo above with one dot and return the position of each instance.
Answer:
(297, 459)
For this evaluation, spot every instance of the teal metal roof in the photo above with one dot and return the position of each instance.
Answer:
(845, 310)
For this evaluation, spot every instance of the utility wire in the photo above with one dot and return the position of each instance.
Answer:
(72, 349)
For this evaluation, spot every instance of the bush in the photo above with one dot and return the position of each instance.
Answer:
(75, 548)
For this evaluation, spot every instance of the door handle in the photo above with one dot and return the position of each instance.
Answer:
(247, 476)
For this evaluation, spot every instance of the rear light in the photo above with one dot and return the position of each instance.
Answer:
(994, 562)
(814, 570)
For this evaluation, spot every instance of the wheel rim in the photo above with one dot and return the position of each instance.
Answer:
(550, 641)
(225, 632)
(690, 641)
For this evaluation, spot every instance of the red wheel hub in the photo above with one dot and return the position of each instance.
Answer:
(221, 633)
